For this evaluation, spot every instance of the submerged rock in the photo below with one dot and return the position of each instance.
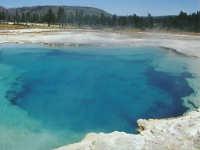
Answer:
(173, 133)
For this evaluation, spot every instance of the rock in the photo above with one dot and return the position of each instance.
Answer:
(173, 133)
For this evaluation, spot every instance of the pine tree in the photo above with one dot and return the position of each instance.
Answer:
(79, 17)
(103, 19)
(23, 17)
(28, 16)
(149, 21)
(3, 15)
(61, 16)
(16, 18)
(9, 17)
(50, 17)
(34, 17)
(114, 20)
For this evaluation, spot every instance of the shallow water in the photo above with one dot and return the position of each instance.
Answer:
(52, 96)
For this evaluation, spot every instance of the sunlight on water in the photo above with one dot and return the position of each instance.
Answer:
(52, 96)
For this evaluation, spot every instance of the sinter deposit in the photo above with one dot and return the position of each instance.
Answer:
(172, 133)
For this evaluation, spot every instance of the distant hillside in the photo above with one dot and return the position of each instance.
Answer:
(97, 18)
(2, 9)
(42, 10)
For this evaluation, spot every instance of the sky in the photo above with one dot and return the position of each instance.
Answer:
(119, 7)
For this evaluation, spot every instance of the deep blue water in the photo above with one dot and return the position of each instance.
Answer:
(82, 90)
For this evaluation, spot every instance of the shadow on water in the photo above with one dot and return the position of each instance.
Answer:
(176, 86)
(19, 90)
(1, 51)
(75, 54)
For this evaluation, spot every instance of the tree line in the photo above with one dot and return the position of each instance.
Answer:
(182, 21)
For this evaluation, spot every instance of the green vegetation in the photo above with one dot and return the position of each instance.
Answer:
(61, 17)
(50, 17)
(99, 19)
(181, 22)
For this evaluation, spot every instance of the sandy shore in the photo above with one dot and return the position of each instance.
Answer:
(174, 133)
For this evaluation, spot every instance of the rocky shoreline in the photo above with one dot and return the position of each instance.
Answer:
(177, 52)
(172, 133)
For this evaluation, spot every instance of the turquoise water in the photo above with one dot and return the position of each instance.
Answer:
(54, 96)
